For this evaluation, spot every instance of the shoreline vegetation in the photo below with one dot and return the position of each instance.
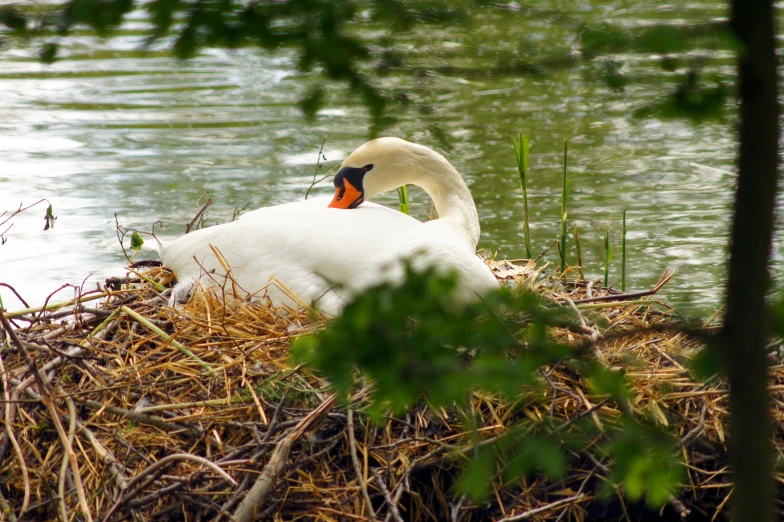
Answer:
(119, 405)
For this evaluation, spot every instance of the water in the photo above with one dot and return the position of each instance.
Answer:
(111, 129)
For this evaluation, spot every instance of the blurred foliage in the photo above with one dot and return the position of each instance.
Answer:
(693, 97)
(606, 38)
(412, 344)
(353, 43)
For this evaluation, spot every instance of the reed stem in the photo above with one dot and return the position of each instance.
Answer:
(623, 253)
(402, 195)
(579, 252)
(521, 154)
(564, 197)
(607, 256)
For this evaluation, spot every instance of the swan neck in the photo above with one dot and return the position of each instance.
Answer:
(451, 197)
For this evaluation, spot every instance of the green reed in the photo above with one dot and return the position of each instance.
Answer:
(579, 252)
(623, 253)
(521, 153)
(607, 255)
(564, 197)
(402, 195)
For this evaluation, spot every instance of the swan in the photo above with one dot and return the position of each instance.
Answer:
(325, 254)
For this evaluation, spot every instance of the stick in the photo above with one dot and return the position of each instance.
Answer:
(357, 468)
(543, 509)
(46, 398)
(163, 335)
(258, 493)
(384, 491)
(317, 167)
(22, 386)
(663, 280)
(150, 470)
(10, 433)
(201, 211)
(54, 306)
(142, 418)
(64, 464)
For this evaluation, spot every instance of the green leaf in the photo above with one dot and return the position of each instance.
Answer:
(13, 19)
(408, 339)
(474, 481)
(48, 53)
(49, 218)
(312, 102)
(706, 363)
(136, 241)
(608, 382)
(646, 462)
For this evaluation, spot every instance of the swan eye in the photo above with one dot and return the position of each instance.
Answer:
(367, 167)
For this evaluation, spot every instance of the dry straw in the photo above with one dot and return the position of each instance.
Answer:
(132, 410)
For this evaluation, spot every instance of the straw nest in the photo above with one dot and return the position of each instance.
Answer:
(120, 407)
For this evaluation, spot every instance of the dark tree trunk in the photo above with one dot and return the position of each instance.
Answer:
(744, 334)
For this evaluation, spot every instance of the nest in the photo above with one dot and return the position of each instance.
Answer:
(131, 409)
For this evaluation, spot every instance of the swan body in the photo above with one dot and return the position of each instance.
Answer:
(325, 255)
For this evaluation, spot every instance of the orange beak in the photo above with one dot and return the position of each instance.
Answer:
(347, 196)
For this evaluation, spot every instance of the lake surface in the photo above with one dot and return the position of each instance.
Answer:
(114, 129)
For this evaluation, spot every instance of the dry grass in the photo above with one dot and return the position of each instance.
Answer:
(175, 414)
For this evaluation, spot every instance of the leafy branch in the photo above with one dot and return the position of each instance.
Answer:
(6, 216)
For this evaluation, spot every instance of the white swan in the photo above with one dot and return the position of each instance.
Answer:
(325, 254)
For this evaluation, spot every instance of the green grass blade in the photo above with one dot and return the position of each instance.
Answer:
(402, 195)
(607, 255)
(579, 252)
(564, 198)
(623, 253)
(521, 154)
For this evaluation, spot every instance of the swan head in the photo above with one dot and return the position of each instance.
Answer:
(388, 163)
(377, 166)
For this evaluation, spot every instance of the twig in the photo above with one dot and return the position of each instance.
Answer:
(159, 287)
(545, 251)
(316, 168)
(151, 470)
(579, 490)
(152, 420)
(10, 434)
(54, 306)
(357, 468)
(21, 299)
(64, 464)
(163, 335)
(454, 509)
(276, 416)
(663, 280)
(46, 398)
(543, 509)
(105, 454)
(18, 211)
(384, 491)
(592, 332)
(721, 506)
(258, 493)
(679, 508)
(121, 232)
(201, 211)
(22, 386)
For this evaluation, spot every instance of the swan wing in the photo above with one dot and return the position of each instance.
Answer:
(310, 248)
